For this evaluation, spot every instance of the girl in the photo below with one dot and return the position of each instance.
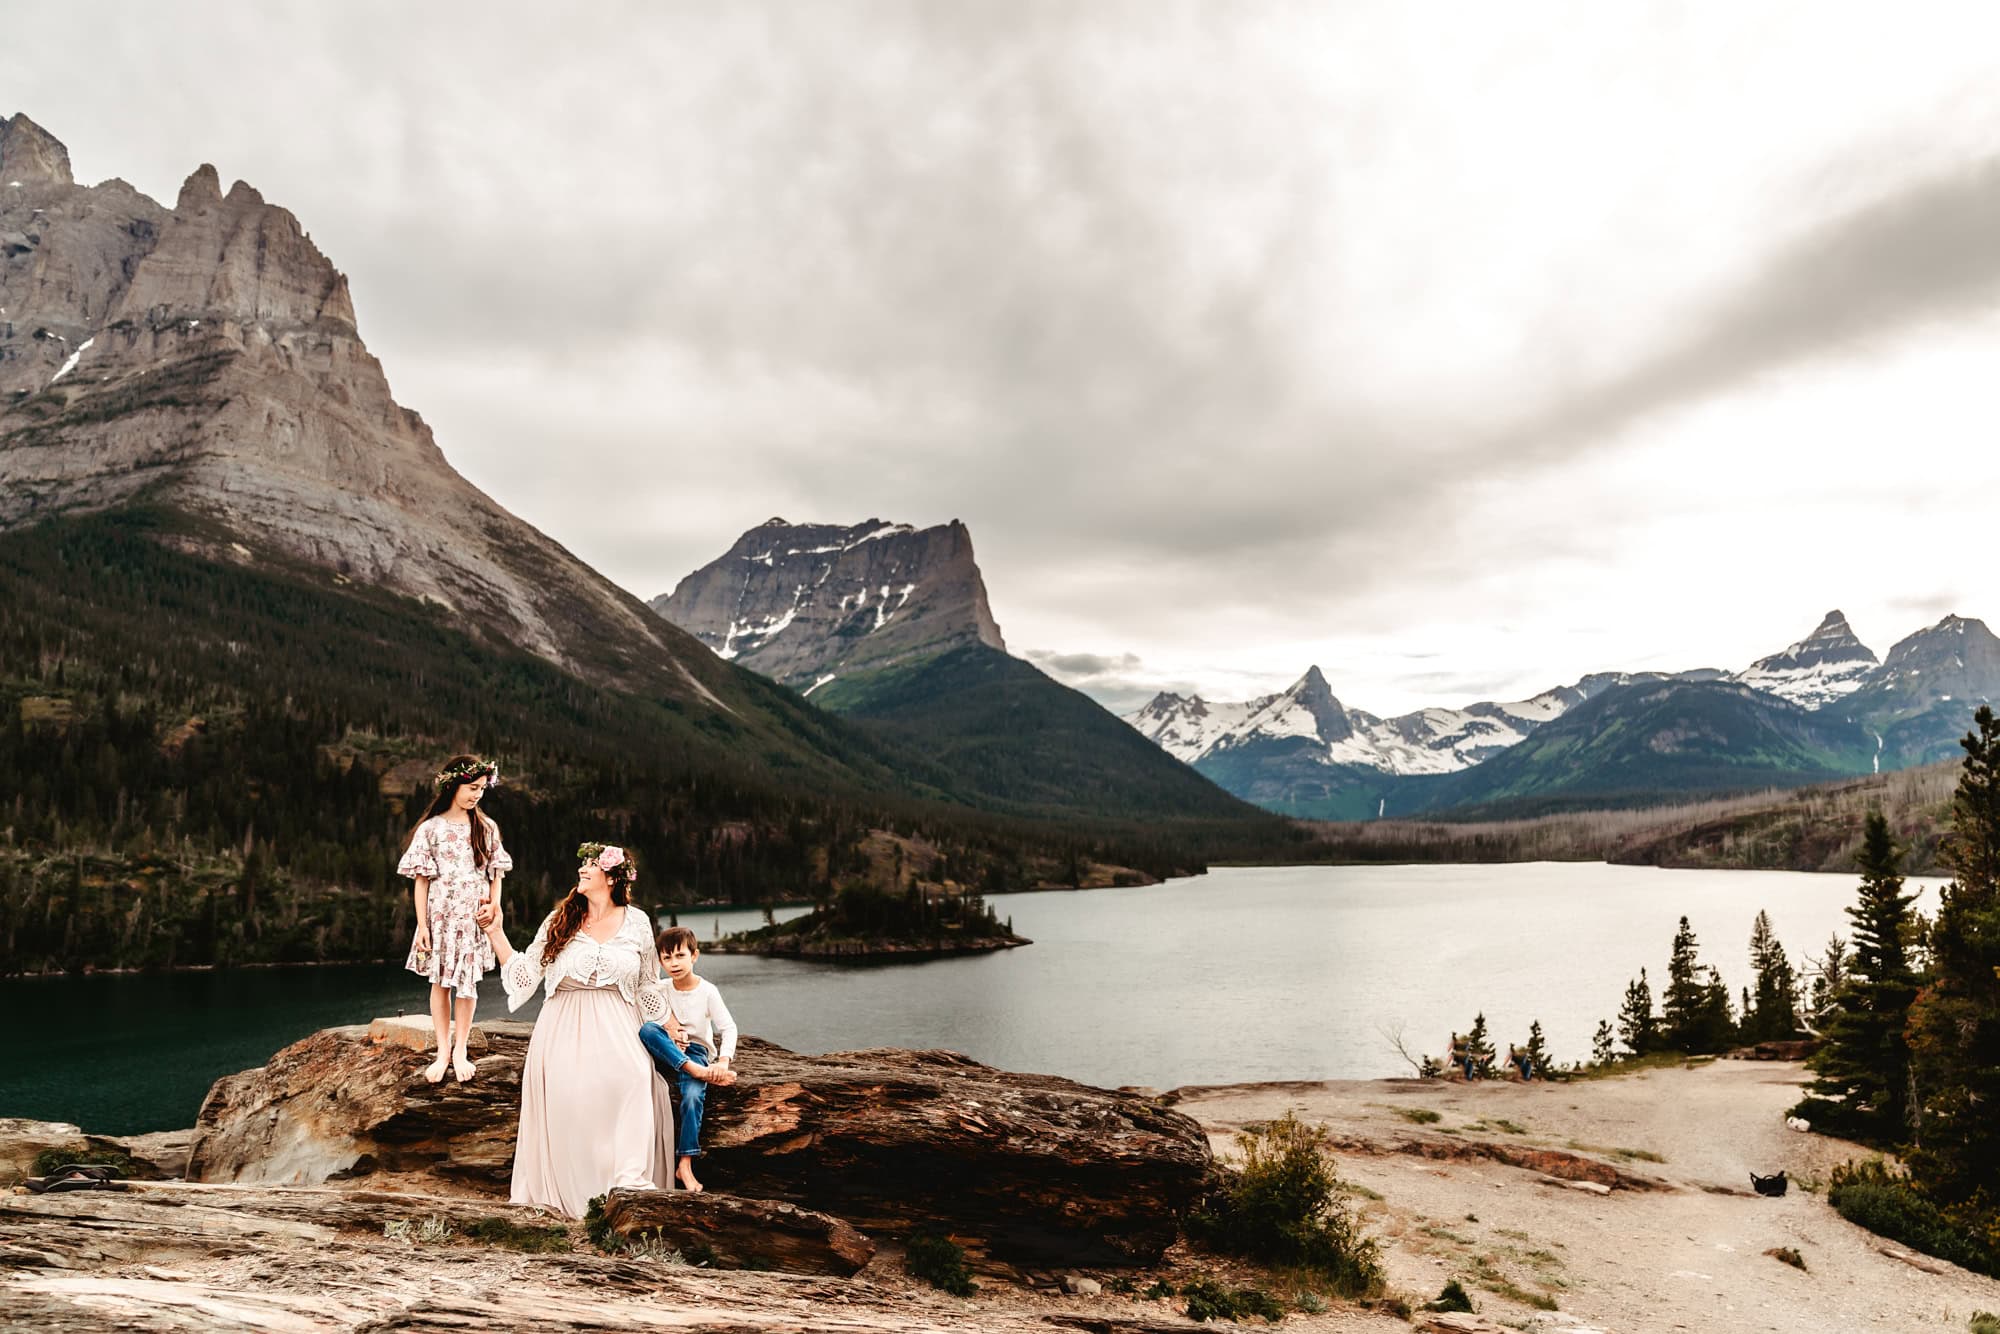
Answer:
(593, 1113)
(456, 859)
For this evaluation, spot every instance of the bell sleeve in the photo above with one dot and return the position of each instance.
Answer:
(420, 858)
(648, 992)
(522, 973)
(499, 863)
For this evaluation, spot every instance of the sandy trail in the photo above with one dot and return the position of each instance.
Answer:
(1683, 1258)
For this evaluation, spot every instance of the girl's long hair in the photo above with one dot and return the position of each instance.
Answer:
(470, 767)
(567, 919)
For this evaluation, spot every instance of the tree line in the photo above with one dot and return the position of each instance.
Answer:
(201, 764)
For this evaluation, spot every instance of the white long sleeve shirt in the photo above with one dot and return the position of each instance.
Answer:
(703, 1015)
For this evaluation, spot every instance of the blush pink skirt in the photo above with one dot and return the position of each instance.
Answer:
(594, 1114)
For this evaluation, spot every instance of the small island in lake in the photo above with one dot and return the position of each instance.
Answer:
(921, 922)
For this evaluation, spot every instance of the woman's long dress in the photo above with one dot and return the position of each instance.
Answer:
(594, 1112)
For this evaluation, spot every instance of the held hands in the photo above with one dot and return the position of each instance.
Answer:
(487, 915)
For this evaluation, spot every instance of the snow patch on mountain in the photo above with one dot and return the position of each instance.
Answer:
(1828, 664)
(1429, 741)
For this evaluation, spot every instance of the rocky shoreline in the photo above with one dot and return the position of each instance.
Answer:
(333, 1190)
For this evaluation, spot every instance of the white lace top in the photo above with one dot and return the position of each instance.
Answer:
(627, 961)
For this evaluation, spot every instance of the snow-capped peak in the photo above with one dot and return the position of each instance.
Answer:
(1824, 666)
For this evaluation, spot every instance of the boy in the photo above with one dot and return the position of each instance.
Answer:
(695, 1047)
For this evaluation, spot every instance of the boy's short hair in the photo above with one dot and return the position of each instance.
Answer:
(672, 938)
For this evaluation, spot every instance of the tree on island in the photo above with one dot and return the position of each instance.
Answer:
(1865, 1086)
(1954, 1023)
(1638, 1025)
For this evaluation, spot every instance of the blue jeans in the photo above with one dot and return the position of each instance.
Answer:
(692, 1098)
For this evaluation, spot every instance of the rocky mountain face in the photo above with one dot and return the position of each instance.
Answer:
(205, 357)
(1825, 665)
(805, 604)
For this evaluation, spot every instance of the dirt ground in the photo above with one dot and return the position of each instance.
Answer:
(1631, 1261)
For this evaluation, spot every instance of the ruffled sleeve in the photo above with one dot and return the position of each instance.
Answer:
(420, 858)
(520, 974)
(648, 992)
(500, 863)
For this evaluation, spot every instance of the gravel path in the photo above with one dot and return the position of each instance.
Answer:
(1682, 1258)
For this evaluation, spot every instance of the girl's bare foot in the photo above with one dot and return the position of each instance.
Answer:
(685, 1173)
(434, 1072)
(462, 1066)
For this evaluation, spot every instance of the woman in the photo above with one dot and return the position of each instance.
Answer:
(593, 1114)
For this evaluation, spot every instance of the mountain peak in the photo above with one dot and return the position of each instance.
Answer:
(800, 602)
(29, 153)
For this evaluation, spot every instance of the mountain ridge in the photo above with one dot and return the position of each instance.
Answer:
(1281, 753)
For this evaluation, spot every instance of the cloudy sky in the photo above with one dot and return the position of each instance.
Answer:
(1459, 349)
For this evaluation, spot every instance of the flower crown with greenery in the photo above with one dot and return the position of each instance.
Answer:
(466, 769)
(608, 857)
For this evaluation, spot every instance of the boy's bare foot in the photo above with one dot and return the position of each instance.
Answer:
(462, 1066)
(434, 1072)
(708, 1074)
(685, 1174)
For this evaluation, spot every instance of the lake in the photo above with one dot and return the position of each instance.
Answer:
(1241, 974)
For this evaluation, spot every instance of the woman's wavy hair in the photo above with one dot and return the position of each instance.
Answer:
(456, 773)
(567, 919)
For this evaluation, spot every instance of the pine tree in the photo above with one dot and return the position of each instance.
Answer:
(1478, 1046)
(1537, 1050)
(1602, 1052)
(1681, 1005)
(1771, 1015)
(1829, 978)
(1714, 1024)
(1954, 1024)
(1864, 1062)
(1638, 1026)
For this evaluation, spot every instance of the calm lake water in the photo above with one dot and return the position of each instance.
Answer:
(1241, 974)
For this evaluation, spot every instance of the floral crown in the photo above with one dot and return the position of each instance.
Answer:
(464, 769)
(608, 857)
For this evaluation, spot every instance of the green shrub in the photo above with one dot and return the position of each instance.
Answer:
(1286, 1207)
(1160, 1288)
(1790, 1256)
(1453, 1298)
(598, 1228)
(1983, 1322)
(1889, 1204)
(520, 1236)
(50, 1161)
(1209, 1300)
(1423, 1116)
(940, 1262)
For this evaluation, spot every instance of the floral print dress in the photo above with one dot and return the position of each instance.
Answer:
(441, 849)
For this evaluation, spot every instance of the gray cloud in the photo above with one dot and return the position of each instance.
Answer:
(1117, 284)
(1926, 252)
(1084, 664)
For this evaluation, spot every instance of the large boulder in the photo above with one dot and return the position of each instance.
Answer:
(352, 1102)
(1015, 1166)
(732, 1232)
(1029, 1167)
